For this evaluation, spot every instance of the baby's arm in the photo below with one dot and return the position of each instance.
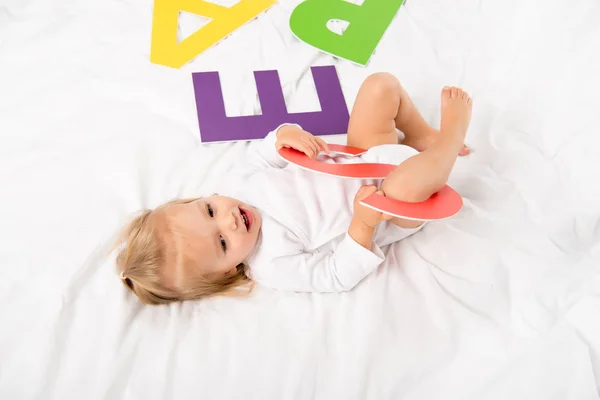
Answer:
(354, 258)
(339, 271)
(288, 135)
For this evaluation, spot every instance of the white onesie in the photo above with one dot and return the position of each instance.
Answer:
(304, 245)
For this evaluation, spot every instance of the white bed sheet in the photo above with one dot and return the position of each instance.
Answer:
(502, 301)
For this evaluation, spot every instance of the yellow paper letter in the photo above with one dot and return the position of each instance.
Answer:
(166, 51)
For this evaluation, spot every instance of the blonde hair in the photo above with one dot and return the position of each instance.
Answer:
(147, 246)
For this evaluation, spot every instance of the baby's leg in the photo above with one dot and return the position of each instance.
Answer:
(381, 106)
(417, 178)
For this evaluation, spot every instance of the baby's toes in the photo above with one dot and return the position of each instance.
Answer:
(454, 92)
(446, 93)
(468, 98)
(465, 151)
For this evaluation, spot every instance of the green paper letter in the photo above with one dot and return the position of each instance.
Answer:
(367, 23)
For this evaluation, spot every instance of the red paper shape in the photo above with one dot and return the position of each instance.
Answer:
(351, 171)
(441, 205)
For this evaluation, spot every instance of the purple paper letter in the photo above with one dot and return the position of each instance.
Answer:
(216, 126)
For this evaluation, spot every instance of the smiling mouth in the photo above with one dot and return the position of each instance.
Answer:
(245, 218)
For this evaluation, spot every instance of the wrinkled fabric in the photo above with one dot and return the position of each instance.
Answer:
(501, 301)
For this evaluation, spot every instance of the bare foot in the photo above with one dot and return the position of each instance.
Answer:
(456, 115)
(422, 142)
(423, 174)
(456, 112)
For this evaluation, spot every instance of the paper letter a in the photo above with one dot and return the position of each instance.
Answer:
(166, 51)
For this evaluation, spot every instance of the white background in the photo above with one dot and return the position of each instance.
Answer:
(502, 301)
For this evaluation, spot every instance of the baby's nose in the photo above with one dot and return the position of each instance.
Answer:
(232, 222)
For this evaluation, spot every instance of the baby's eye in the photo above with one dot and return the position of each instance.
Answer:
(210, 210)
(223, 244)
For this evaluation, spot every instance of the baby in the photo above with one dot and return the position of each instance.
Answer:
(291, 229)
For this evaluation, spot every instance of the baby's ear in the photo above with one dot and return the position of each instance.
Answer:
(236, 270)
(232, 271)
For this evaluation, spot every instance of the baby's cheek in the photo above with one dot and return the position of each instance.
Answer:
(248, 246)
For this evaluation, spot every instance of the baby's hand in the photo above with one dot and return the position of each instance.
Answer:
(365, 214)
(293, 137)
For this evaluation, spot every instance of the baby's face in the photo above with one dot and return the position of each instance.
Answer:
(222, 233)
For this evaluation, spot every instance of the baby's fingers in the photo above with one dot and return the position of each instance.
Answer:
(322, 145)
(365, 191)
(314, 147)
(308, 149)
(384, 216)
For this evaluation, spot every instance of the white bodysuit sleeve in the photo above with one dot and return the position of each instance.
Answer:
(266, 154)
(339, 271)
